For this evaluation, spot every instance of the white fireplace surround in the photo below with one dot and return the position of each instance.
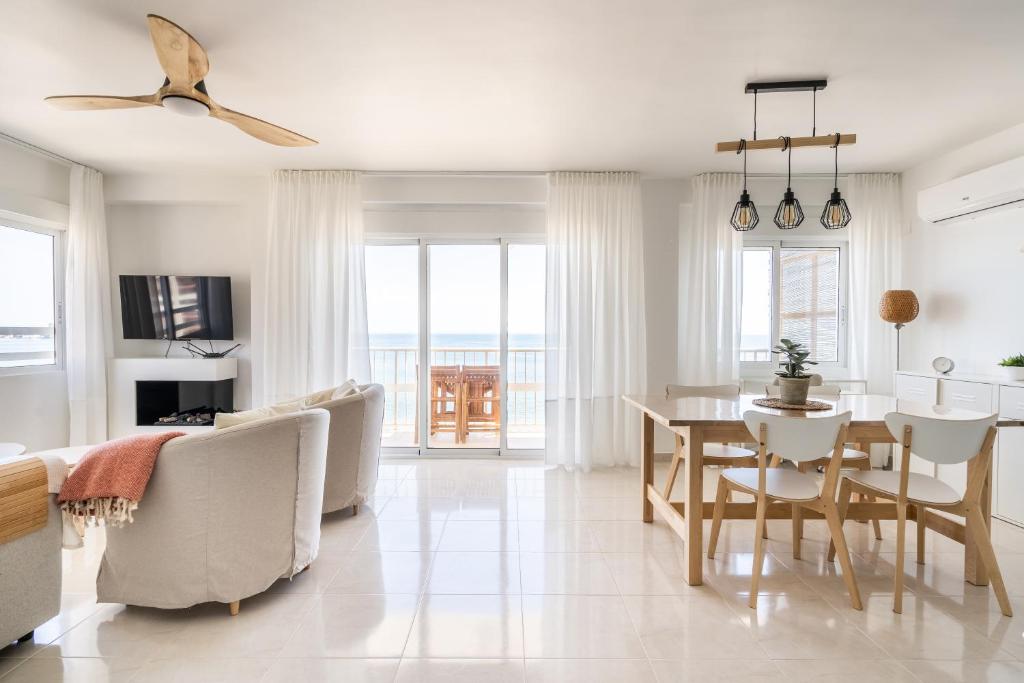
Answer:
(123, 373)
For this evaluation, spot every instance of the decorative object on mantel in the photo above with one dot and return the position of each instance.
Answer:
(744, 216)
(789, 214)
(943, 365)
(836, 213)
(1013, 366)
(783, 405)
(898, 306)
(793, 381)
(198, 352)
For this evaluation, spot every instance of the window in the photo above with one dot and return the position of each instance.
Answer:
(794, 291)
(30, 299)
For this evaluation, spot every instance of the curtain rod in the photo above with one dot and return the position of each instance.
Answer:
(53, 156)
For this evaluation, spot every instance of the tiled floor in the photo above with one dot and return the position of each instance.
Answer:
(507, 571)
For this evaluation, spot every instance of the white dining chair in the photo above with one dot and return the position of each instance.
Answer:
(717, 454)
(944, 442)
(852, 459)
(798, 439)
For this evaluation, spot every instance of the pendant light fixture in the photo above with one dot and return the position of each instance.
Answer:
(836, 213)
(744, 216)
(789, 214)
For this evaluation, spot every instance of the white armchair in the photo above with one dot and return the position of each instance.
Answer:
(353, 447)
(226, 513)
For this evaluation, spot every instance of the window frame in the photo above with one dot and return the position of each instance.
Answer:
(764, 368)
(58, 236)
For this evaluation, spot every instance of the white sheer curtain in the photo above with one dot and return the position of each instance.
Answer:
(875, 235)
(710, 275)
(87, 308)
(315, 311)
(596, 334)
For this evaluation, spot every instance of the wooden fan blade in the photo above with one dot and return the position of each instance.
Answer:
(267, 132)
(83, 102)
(181, 56)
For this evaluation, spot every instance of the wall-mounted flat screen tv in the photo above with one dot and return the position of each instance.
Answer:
(176, 307)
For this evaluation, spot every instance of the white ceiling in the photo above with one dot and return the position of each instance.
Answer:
(520, 85)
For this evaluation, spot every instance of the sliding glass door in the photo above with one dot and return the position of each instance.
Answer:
(457, 340)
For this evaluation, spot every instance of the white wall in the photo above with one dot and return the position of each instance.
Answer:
(171, 226)
(967, 276)
(33, 407)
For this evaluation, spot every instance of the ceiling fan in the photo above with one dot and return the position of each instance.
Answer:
(185, 65)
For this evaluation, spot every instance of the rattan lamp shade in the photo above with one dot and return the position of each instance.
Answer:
(898, 306)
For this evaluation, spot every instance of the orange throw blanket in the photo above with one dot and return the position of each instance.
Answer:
(108, 482)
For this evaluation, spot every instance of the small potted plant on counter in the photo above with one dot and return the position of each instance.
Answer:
(1013, 366)
(793, 381)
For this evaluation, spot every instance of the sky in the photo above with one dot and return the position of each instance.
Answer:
(26, 278)
(465, 288)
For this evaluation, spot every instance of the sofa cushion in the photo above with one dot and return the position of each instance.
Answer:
(346, 388)
(223, 420)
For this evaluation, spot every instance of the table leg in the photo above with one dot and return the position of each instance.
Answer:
(647, 464)
(974, 568)
(694, 506)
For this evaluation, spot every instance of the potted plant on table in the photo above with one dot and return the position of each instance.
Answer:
(1013, 366)
(793, 381)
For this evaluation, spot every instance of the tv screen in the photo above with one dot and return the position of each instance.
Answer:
(176, 307)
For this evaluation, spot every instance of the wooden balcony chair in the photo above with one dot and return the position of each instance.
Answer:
(481, 386)
(717, 454)
(798, 439)
(853, 459)
(945, 442)
(446, 401)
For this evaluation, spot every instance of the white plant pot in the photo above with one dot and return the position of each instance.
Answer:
(1015, 374)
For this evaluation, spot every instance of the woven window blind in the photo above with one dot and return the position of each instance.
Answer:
(810, 299)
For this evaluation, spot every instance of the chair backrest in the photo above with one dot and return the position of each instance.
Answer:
(816, 380)
(797, 438)
(945, 442)
(831, 391)
(709, 391)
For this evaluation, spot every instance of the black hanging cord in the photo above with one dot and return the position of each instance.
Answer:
(755, 114)
(743, 148)
(789, 162)
(814, 113)
(835, 178)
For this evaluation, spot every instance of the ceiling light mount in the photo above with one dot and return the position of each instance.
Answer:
(787, 86)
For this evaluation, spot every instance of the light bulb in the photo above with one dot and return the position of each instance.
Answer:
(186, 106)
(836, 214)
(744, 217)
(789, 214)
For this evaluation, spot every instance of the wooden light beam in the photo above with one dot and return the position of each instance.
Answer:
(776, 143)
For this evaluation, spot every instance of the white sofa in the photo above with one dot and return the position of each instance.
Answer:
(226, 513)
(353, 447)
(30, 571)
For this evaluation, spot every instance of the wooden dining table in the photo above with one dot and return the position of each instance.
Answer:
(709, 420)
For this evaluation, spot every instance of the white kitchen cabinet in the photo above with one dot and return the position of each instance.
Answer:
(920, 390)
(976, 396)
(1009, 466)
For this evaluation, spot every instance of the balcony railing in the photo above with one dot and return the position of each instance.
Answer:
(20, 346)
(398, 371)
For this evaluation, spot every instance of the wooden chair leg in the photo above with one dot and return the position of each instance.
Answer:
(673, 468)
(755, 571)
(716, 519)
(921, 528)
(798, 527)
(845, 491)
(775, 461)
(980, 534)
(901, 549)
(835, 527)
(233, 607)
(875, 523)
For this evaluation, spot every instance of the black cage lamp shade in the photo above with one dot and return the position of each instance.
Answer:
(789, 214)
(744, 215)
(836, 213)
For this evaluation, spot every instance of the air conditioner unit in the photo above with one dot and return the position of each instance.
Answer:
(995, 188)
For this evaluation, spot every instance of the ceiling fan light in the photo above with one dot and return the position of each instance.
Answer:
(789, 214)
(744, 215)
(186, 106)
(836, 213)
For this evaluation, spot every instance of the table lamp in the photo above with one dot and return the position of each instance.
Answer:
(898, 306)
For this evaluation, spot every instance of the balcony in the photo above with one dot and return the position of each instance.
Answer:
(470, 423)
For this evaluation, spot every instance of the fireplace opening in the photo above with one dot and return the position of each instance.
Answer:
(190, 403)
